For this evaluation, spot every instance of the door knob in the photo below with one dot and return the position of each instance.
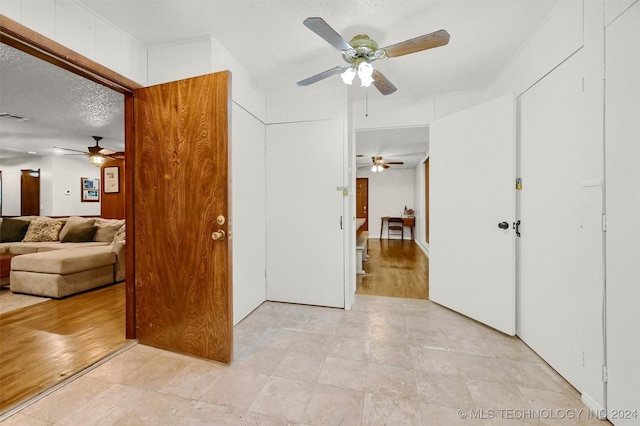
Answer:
(503, 225)
(218, 235)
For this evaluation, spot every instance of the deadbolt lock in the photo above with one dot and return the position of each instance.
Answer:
(220, 220)
(218, 235)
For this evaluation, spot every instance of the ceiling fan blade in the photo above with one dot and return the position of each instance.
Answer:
(322, 75)
(320, 27)
(69, 149)
(394, 162)
(382, 83)
(384, 166)
(427, 41)
(106, 151)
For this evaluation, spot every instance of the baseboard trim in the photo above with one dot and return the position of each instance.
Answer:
(599, 411)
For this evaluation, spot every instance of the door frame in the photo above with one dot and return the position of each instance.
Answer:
(20, 37)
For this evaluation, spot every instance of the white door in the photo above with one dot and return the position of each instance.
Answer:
(472, 192)
(622, 153)
(305, 255)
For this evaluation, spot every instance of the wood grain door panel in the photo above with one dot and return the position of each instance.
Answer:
(30, 192)
(362, 201)
(183, 276)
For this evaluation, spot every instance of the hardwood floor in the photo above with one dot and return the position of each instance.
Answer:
(395, 268)
(42, 345)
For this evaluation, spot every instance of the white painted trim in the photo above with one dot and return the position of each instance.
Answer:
(598, 411)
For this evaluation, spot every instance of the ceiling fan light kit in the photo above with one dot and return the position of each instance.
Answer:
(379, 164)
(361, 51)
(97, 154)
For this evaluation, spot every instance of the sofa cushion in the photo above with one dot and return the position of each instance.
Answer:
(107, 228)
(43, 229)
(57, 245)
(120, 236)
(63, 261)
(13, 230)
(75, 222)
(79, 234)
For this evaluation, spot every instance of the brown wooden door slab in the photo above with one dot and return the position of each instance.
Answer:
(362, 201)
(181, 168)
(30, 192)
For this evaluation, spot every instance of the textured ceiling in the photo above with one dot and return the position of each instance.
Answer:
(270, 41)
(61, 108)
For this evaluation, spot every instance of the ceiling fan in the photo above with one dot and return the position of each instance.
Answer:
(97, 154)
(379, 164)
(361, 51)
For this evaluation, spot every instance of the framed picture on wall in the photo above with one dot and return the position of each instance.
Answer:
(111, 180)
(89, 189)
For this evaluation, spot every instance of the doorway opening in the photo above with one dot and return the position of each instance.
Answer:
(25, 43)
(391, 161)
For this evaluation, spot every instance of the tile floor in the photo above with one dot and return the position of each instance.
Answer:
(387, 362)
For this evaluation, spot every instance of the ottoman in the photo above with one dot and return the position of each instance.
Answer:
(61, 273)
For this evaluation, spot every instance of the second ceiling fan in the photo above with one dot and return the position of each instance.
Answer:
(379, 164)
(361, 51)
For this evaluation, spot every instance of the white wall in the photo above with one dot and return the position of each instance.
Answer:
(57, 176)
(81, 30)
(389, 192)
(249, 215)
(558, 76)
(622, 153)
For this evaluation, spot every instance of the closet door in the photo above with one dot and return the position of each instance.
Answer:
(472, 209)
(305, 236)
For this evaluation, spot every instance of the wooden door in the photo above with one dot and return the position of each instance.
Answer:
(426, 200)
(182, 191)
(112, 201)
(362, 201)
(30, 192)
(472, 247)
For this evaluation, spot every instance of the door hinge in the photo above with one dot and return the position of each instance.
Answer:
(605, 373)
(604, 222)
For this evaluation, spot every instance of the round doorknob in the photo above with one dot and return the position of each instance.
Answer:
(218, 235)
(503, 225)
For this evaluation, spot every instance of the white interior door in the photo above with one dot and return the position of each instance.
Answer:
(472, 191)
(622, 153)
(305, 237)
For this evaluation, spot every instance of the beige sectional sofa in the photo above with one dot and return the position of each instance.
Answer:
(70, 264)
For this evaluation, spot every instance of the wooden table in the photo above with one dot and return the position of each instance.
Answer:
(409, 221)
(5, 267)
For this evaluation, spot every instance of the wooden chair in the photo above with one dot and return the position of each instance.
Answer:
(395, 224)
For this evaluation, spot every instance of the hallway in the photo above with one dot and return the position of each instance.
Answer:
(395, 268)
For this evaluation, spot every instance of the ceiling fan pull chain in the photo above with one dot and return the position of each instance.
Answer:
(366, 101)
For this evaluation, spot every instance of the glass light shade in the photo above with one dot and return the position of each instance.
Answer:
(348, 75)
(377, 168)
(365, 73)
(96, 159)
